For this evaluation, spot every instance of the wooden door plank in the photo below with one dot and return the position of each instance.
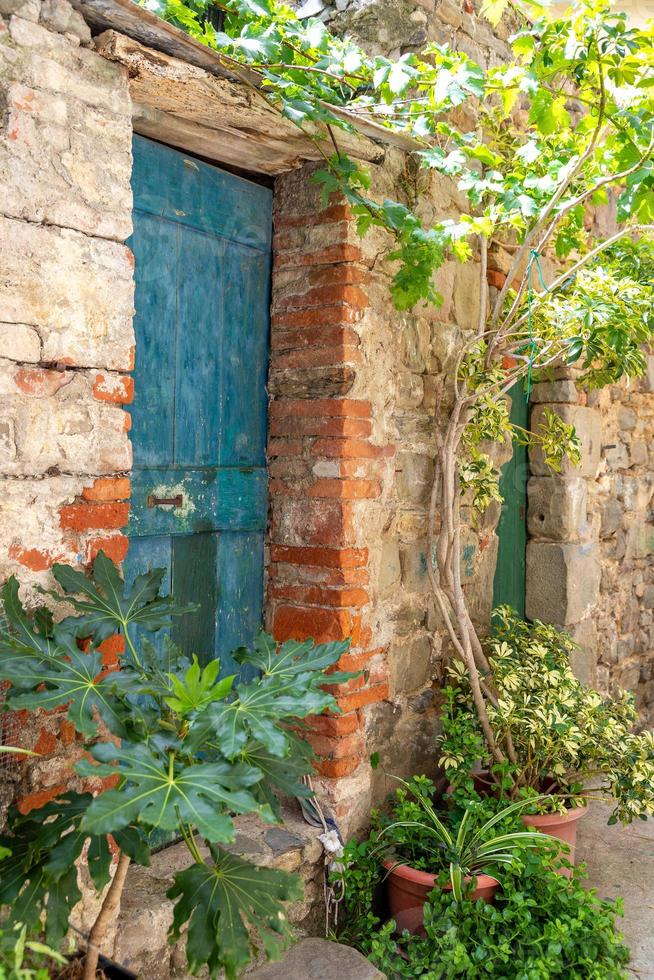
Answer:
(212, 499)
(239, 573)
(194, 580)
(510, 572)
(244, 363)
(199, 372)
(154, 243)
(171, 185)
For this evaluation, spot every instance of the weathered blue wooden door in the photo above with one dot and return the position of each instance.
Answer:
(202, 246)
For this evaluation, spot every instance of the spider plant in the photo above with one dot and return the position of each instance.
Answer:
(469, 850)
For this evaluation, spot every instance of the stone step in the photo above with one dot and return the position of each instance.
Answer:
(319, 959)
(146, 913)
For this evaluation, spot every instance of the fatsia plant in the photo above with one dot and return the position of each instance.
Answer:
(180, 750)
(565, 123)
(564, 735)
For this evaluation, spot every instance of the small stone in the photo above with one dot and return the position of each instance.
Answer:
(627, 418)
(638, 453)
(20, 342)
(27, 9)
(311, 8)
(612, 517)
(555, 392)
(390, 569)
(415, 573)
(410, 665)
(280, 840)
(322, 959)
(415, 475)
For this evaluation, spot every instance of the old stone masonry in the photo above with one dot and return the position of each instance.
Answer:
(352, 386)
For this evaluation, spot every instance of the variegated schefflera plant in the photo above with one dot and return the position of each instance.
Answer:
(184, 749)
(565, 736)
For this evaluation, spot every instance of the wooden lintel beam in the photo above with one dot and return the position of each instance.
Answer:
(184, 105)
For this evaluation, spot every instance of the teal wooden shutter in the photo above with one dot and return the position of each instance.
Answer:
(509, 584)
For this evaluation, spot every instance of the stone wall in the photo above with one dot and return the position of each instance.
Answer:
(622, 509)
(352, 441)
(65, 317)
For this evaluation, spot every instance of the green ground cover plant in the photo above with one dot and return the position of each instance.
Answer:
(540, 926)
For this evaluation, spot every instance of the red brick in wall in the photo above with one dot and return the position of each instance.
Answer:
(324, 463)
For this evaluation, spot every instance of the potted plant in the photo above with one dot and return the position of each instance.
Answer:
(430, 851)
(569, 742)
(178, 750)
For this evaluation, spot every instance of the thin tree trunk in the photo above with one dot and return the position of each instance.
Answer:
(107, 913)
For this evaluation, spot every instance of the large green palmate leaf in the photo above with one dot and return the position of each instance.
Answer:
(25, 633)
(280, 775)
(40, 872)
(158, 790)
(63, 676)
(222, 901)
(105, 604)
(289, 687)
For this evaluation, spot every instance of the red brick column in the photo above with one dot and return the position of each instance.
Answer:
(325, 468)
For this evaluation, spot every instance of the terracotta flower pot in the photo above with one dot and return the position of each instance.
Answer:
(562, 826)
(408, 889)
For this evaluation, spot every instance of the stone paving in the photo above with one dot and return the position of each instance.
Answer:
(621, 862)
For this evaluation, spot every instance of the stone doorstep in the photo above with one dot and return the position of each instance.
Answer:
(146, 913)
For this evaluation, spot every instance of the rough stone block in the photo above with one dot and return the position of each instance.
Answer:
(612, 517)
(59, 15)
(414, 477)
(640, 540)
(65, 155)
(390, 569)
(30, 535)
(415, 574)
(556, 392)
(77, 291)
(410, 665)
(20, 342)
(557, 508)
(319, 958)
(27, 9)
(587, 423)
(584, 659)
(58, 423)
(563, 581)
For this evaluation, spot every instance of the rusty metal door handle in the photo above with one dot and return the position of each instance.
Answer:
(177, 501)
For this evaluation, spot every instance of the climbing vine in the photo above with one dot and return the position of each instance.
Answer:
(568, 122)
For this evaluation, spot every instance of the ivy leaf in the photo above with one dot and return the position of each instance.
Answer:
(107, 605)
(291, 658)
(492, 10)
(547, 113)
(158, 790)
(41, 873)
(289, 687)
(400, 75)
(217, 900)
